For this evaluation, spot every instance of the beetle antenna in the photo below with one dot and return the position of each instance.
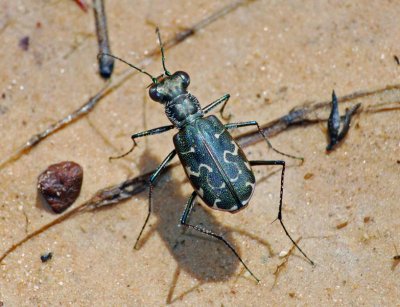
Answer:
(154, 80)
(162, 52)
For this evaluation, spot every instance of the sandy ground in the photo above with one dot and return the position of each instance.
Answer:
(270, 56)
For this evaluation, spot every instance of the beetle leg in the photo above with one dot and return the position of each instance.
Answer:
(152, 180)
(281, 163)
(254, 123)
(142, 134)
(186, 214)
(224, 99)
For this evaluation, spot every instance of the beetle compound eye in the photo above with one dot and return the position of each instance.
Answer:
(155, 94)
(185, 78)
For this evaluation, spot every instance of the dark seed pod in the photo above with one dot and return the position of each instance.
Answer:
(60, 185)
(46, 257)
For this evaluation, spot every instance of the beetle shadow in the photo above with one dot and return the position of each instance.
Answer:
(203, 258)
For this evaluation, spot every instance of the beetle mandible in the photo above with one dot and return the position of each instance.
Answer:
(214, 163)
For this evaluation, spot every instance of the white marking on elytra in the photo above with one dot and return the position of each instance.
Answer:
(197, 174)
(217, 135)
(236, 148)
(222, 186)
(190, 151)
(252, 185)
(234, 153)
(233, 208)
(235, 179)
(217, 200)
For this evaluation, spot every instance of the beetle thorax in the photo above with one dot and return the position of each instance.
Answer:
(181, 107)
(183, 110)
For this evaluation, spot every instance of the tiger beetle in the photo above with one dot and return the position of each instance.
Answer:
(214, 163)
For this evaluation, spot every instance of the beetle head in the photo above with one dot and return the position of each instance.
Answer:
(169, 87)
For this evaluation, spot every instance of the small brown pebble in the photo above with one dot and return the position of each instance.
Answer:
(308, 176)
(367, 219)
(60, 185)
(342, 225)
(292, 294)
(24, 43)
